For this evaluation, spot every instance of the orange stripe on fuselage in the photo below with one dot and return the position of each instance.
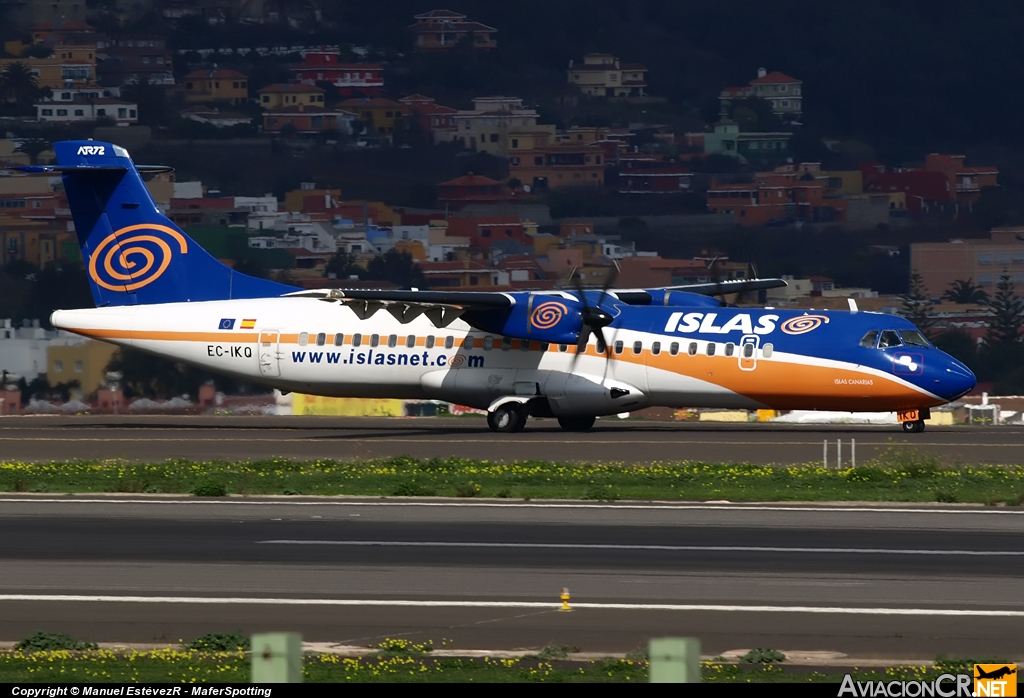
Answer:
(166, 336)
(775, 383)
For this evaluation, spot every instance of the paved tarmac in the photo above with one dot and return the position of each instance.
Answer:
(869, 581)
(612, 440)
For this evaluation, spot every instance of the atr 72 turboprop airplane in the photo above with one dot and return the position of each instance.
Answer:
(569, 355)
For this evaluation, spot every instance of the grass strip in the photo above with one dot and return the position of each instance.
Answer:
(898, 474)
(189, 666)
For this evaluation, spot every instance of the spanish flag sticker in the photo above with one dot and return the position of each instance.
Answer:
(248, 324)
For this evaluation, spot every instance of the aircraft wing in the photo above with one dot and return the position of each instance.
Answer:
(498, 300)
(639, 296)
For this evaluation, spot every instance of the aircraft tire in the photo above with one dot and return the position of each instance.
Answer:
(506, 419)
(577, 423)
(913, 427)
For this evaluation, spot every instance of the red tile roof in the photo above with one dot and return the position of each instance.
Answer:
(470, 180)
(773, 78)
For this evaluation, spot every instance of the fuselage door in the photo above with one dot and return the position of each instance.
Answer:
(268, 354)
(748, 352)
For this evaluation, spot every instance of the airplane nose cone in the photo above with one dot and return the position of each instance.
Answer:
(956, 380)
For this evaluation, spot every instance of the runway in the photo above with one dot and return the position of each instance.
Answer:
(612, 440)
(889, 582)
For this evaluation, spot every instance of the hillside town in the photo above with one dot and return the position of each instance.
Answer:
(352, 180)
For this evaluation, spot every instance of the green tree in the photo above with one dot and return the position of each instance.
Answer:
(342, 265)
(152, 102)
(960, 345)
(917, 306)
(33, 147)
(18, 84)
(964, 291)
(397, 267)
(1005, 307)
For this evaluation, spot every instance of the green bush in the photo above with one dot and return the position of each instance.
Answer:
(220, 642)
(763, 656)
(40, 641)
(412, 489)
(209, 488)
(470, 489)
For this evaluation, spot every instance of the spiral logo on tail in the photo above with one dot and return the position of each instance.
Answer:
(803, 324)
(134, 256)
(547, 315)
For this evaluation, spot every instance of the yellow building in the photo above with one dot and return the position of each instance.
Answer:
(602, 75)
(69, 66)
(221, 85)
(379, 115)
(536, 159)
(282, 95)
(488, 127)
(85, 363)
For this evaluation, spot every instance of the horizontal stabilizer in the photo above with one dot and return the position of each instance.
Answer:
(61, 169)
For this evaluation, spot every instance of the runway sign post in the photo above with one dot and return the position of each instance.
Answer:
(674, 660)
(276, 658)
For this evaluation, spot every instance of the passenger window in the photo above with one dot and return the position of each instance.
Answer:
(601, 346)
(430, 342)
(638, 347)
(913, 338)
(766, 350)
(449, 342)
(544, 346)
(889, 339)
(339, 339)
(410, 341)
(869, 340)
(321, 339)
(524, 345)
(656, 348)
(748, 351)
(374, 340)
(393, 340)
(303, 339)
(673, 348)
(506, 343)
(618, 347)
(729, 349)
(468, 342)
(692, 349)
(357, 340)
(563, 347)
(488, 343)
(711, 348)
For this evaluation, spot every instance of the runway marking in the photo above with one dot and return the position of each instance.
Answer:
(723, 608)
(682, 506)
(658, 548)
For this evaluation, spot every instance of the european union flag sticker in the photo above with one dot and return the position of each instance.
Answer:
(227, 324)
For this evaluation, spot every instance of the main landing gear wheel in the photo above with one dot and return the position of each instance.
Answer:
(507, 419)
(913, 427)
(576, 423)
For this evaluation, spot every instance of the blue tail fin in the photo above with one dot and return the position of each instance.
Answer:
(135, 255)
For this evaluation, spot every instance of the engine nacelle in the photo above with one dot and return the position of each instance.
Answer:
(542, 318)
(661, 296)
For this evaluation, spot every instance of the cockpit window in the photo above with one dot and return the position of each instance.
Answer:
(869, 339)
(913, 338)
(889, 339)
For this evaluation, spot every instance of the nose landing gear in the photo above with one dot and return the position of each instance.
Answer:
(913, 427)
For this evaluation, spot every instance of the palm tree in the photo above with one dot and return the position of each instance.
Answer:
(33, 147)
(18, 83)
(964, 291)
